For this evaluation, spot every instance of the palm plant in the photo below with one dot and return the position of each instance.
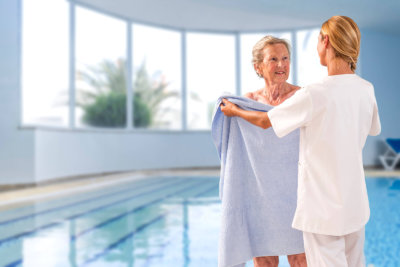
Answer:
(105, 104)
(153, 92)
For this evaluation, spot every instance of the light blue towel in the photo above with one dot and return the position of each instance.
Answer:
(258, 187)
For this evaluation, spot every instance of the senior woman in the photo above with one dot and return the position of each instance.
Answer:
(335, 116)
(271, 61)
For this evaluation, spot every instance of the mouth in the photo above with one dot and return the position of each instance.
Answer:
(280, 72)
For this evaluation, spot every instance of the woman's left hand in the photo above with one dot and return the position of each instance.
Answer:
(228, 108)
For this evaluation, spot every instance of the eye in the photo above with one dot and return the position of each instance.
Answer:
(273, 59)
(285, 58)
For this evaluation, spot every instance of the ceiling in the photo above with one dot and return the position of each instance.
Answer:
(253, 15)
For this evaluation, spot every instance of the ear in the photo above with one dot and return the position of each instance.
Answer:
(256, 68)
(326, 41)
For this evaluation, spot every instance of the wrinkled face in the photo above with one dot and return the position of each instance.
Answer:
(321, 48)
(275, 66)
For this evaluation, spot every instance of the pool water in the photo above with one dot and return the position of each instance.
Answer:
(157, 221)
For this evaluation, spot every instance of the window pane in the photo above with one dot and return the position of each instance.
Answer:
(309, 70)
(250, 81)
(100, 67)
(210, 72)
(157, 77)
(45, 57)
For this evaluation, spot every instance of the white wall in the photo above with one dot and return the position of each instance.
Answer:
(60, 153)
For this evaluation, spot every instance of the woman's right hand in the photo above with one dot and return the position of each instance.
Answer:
(228, 108)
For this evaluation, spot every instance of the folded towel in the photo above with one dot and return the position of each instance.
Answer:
(258, 187)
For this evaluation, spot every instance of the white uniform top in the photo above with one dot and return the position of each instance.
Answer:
(335, 117)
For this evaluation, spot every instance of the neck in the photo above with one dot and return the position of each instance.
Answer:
(337, 66)
(275, 92)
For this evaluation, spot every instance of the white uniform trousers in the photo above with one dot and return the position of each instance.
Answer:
(335, 251)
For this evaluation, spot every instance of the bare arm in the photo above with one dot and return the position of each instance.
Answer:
(257, 118)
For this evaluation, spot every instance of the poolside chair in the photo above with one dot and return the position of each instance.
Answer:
(392, 155)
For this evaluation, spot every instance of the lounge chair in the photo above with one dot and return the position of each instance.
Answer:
(392, 155)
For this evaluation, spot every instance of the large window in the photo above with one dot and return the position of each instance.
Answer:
(157, 65)
(249, 79)
(309, 69)
(210, 72)
(45, 62)
(100, 70)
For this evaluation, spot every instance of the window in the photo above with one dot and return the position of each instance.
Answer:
(309, 69)
(45, 62)
(210, 72)
(249, 79)
(157, 65)
(100, 70)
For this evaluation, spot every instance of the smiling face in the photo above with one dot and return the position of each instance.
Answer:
(275, 66)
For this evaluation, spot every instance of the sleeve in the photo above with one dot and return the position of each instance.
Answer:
(293, 113)
(376, 123)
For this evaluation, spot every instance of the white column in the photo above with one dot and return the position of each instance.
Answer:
(128, 78)
(72, 70)
(293, 57)
(184, 82)
(238, 63)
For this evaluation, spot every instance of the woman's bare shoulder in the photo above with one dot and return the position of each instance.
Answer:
(250, 95)
(292, 91)
(254, 95)
(294, 87)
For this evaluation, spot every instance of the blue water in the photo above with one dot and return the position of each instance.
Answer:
(158, 221)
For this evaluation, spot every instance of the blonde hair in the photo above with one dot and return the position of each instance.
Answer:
(345, 38)
(258, 48)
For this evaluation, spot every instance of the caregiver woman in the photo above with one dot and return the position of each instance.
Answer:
(335, 116)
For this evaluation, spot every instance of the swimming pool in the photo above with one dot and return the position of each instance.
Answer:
(157, 221)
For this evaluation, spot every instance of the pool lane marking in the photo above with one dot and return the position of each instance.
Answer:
(126, 237)
(26, 233)
(122, 215)
(55, 191)
(14, 263)
(13, 220)
(122, 201)
(163, 246)
(206, 191)
(123, 239)
(191, 184)
(113, 245)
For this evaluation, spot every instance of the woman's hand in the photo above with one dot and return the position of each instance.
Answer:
(258, 118)
(228, 108)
